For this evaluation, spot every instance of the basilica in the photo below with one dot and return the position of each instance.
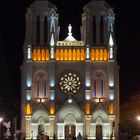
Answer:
(70, 86)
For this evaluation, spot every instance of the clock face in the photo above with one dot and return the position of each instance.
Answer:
(70, 83)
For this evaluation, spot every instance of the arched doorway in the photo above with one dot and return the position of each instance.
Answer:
(70, 131)
(41, 130)
(101, 128)
(39, 124)
(70, 128)
(69, 121)
(98, 132)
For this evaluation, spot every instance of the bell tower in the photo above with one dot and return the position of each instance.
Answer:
(41, 34)
(98, 22)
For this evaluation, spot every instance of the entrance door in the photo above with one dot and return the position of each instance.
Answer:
(98, 132)
(69, 131)
(41, 130)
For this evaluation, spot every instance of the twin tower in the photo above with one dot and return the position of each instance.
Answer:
(70, 87)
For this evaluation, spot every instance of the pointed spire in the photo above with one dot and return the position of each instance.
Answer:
(111, 42)
(52, 43)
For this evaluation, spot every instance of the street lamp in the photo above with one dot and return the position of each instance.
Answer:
(138, 118)
(1, 119)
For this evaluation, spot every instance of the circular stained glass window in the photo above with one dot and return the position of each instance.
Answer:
(70, 83)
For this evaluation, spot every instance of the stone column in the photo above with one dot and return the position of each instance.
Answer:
(52, 126)
(112, 127)
(52, 79)
(60, 131)
(87, 80)
(87, 126)
(28, 126)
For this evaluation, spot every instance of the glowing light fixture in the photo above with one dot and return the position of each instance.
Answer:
(52, 53)
(138, 118)
(69, 101)
(52, 83)
(52, 97)
(29, 53)
(87, 94)
(1, 119)
(28, 97)
(28, 83)
(111, 42)
(111, 108)
(87, 53)
(111, 53)
(87, 109)
(52, 109)
(52, 40)
(111, 96)
(28, 109)
(111, 83)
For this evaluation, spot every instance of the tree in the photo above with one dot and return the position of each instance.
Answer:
(128, 116)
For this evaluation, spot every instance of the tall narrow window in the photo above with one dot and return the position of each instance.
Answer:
(102, 88)
(37, 89)
(45, 89)
(38, 30)
(45, 30)
(94, 29)
(95, 87)
(102, 30)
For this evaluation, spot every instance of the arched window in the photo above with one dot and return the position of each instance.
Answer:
(82, 55)
(57, 54)
(95, 88)
(45, 89)
(61, 55)
(38, 30)
(101, 29)
(37, 89)
(47, 54)
(74, 55)
(78, 54)
(65, 55)
(94, 29)
(45, 30)
(40, 87)
(99, 84)
(43, 54)
(70, 54)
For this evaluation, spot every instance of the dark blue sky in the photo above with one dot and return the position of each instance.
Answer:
(127, 26)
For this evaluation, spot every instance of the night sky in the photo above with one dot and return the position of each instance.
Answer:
(127, 27)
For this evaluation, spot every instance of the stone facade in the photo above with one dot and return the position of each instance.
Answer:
(70, 87)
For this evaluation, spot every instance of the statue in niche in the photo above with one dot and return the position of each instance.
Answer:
(111, 19)
(52, 26)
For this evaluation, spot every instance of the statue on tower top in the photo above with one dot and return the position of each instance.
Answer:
(70, 29)
(52, 26)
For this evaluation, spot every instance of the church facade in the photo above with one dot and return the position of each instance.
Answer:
(70, 86)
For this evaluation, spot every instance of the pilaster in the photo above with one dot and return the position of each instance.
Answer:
(52, 126)
(87, 126)
(28, 127)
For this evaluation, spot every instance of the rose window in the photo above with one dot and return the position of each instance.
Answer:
(70, 83)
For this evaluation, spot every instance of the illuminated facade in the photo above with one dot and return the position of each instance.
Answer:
(70, 86)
